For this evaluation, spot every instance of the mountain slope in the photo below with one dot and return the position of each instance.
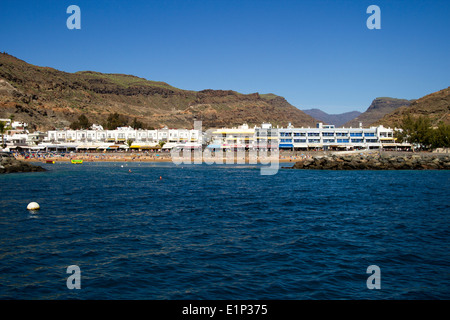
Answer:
(435, 105)
(336, 119)
(48, 98)
(378, 108)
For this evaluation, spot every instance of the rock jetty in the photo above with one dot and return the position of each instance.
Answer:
(9, 164)
(375, 162)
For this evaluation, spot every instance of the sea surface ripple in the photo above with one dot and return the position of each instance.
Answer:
(223, 232)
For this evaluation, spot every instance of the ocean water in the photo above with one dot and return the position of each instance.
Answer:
(223, 232)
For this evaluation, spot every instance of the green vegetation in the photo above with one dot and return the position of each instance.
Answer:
(420, 131)
(137, 124)
(130, 142)
(126, 81)
(82, 123)
(114, 121)
(2, 131)
(268, 96)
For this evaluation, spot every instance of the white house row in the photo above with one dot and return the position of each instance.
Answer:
(121, 138)
(324, 137)
(122, 135)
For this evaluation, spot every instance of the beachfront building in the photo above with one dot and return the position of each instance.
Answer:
(121, 138)
(17, 139)
(232, 139)
(35, 138)
(327, 137)
(322, 137)
(266, 138)
(24, 141)
(15, 133)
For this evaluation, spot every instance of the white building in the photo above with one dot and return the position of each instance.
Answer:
(15, 125)
(322, 137)
(121, 138)
(327, 137)
(234, 138)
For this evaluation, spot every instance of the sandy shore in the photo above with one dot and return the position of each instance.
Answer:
(166, 157)
(98, 159)
(124, 158)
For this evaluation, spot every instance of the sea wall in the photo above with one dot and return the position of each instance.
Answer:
(375, 162)
(9, 164)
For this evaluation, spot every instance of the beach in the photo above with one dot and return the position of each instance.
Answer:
(283, 157)
(130, 157)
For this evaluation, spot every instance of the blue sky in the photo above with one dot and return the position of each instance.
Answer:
(316, 54)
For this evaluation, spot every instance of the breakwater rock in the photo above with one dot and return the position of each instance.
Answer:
(375, 162)
(9, 164)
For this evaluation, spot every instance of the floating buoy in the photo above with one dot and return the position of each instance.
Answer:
(33, 206)
(160, 178)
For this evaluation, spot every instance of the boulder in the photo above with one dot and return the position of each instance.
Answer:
(375, 162)
(9, 164)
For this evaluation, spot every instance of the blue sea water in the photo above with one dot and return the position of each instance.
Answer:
(223, 232)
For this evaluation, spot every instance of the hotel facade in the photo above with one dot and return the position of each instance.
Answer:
(322, 137)
(327, 137)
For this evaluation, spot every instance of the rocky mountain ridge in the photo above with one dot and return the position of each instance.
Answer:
(48, 98)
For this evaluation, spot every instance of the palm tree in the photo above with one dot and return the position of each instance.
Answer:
(2, 131)
(129, 142)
